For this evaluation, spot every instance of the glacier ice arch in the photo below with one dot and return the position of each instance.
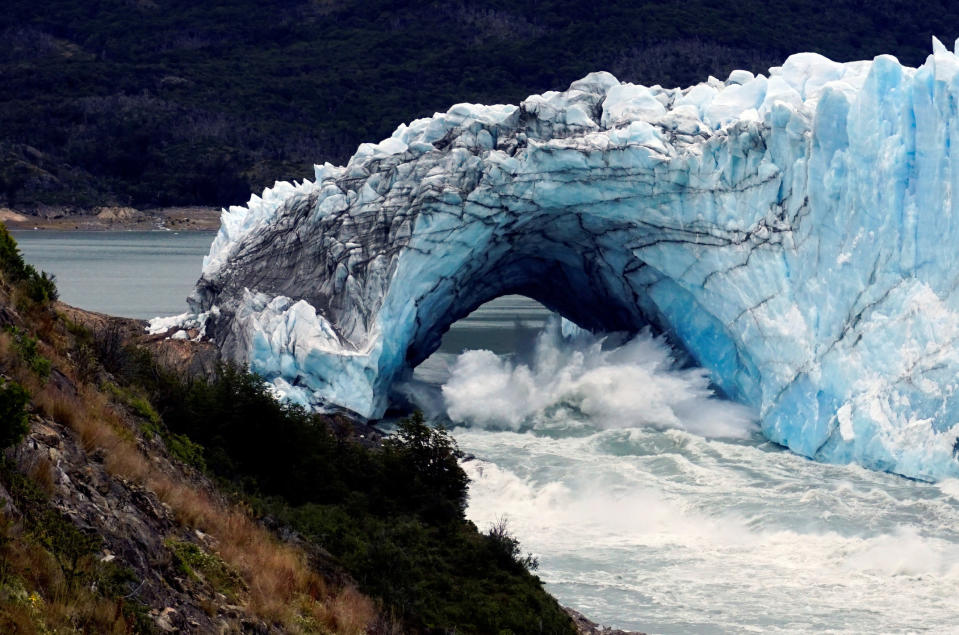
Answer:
(796, 233)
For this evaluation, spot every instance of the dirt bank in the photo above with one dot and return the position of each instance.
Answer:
(114, 219)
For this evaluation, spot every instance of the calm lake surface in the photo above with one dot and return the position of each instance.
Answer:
(131, 274)
(650, 505)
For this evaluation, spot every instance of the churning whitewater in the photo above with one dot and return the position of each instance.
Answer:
(574, 383)
(654, 506)
(793, 234)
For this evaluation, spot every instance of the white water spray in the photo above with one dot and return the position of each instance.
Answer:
(578, 381)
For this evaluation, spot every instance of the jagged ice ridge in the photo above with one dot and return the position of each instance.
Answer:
(794, 234)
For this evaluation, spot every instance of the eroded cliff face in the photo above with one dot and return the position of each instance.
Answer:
(135, 530)
(106, 523)
(87, 495)
(792, 233)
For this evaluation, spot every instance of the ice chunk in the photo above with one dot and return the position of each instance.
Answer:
(628, 102)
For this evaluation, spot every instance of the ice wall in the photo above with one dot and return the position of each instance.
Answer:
(795, 233)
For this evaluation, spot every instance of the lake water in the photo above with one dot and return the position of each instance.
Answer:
(132, 274)
(650, 505)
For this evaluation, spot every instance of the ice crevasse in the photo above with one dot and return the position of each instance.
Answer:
(794, 233)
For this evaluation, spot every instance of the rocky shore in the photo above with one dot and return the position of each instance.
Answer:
(585, 626)
(112, 218)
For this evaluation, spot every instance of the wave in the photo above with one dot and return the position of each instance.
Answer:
(582, 381)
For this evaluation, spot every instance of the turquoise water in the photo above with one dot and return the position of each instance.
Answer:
(650, 505)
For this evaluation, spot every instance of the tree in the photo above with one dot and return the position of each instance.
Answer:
(425, 463)
(13, 415)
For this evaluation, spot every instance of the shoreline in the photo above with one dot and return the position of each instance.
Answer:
(107, 218)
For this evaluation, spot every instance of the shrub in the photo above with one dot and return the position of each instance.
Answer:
(422, 466)
(11, 262)
(73, 548)
(13, 415)
(40, 287)
(26, 347)
(181, 447)
(507, 549)
(198, 564)
(137, 403)
(392, 515)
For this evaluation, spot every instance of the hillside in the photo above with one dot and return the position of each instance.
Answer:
(145, 488)
(164, 102)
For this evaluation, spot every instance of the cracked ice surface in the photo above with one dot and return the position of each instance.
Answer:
(794, 233)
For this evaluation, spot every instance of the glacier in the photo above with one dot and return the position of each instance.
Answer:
(793, 233)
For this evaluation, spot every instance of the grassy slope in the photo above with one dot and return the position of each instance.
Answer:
(174, 102)
(53, 577)
(386, 517)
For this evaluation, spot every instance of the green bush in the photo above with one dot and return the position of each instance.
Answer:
(40, 287)
(74, 549)
(507, 548)
(179, 445)
(392, 515)
(184, 449)
(137, 403)
(11, 262)
(29, 353)
(198, 564)
(14, 424)
(424, 466)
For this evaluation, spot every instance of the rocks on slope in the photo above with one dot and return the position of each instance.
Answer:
(587, 627)
(196, 561)
(134, 525)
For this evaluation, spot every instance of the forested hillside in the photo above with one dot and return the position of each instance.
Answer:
(174, 102)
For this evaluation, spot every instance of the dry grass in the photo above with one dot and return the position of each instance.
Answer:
(38, 599)
(7, 354)
(44, 323)
(282, 589)
(57, 406)
(352, 611)
(41, 472)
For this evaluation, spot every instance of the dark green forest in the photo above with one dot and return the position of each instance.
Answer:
(168, 102)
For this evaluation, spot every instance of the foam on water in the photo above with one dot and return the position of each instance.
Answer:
(665, 531)
(653, 505)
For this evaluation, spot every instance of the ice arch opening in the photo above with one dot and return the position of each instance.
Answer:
(507, 325)
(571, 280)
(514, 365)
(793, 232)
(575, 272)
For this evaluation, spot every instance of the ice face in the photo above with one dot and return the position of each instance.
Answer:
(794, 233)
